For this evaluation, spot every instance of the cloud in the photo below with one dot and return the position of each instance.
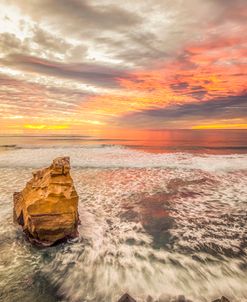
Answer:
(170, 27)
(49, 41)
(10, 43)
(36, 101)
(43, 44)
(80, 14)
(56, 47)
(96, 74)
(234, 107)
(229, 11)
(140, 62)
(137, 33)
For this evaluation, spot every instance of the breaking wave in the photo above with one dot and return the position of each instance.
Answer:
(116, 156)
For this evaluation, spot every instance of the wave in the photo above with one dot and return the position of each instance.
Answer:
(105, 156)
(154, 225)
(154, 233)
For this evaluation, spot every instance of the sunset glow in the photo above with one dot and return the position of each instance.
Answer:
(221, 126)
(46, 127)
(129, 74)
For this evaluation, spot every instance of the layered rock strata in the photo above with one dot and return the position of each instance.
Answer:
(47, 208)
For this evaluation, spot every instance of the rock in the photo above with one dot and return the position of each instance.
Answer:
(47, 208)
(126, 298)
(149, 299)
(222, 299)
(181, 298)
(164, 297)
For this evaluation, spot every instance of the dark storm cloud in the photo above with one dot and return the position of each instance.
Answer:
(220, 108)
(95, 74)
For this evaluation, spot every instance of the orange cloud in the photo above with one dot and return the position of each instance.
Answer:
(204, 71)
(210, 69)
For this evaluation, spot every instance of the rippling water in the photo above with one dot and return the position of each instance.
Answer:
(154, 225)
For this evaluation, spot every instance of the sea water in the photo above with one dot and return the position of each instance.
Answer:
(157, 225)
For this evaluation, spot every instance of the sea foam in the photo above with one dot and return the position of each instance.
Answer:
(116, 156)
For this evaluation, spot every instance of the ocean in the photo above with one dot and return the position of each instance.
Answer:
(163, 215)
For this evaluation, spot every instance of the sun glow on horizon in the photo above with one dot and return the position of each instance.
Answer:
(220, 126)
(45, 127)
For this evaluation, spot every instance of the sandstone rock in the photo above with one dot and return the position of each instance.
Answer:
(126, 298)
(47, 208)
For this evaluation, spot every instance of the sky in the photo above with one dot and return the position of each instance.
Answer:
(80, 66)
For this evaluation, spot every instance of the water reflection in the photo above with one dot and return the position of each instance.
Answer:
(208, 141)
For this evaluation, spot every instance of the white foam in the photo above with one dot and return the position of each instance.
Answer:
(115, 254)
(116, 156)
